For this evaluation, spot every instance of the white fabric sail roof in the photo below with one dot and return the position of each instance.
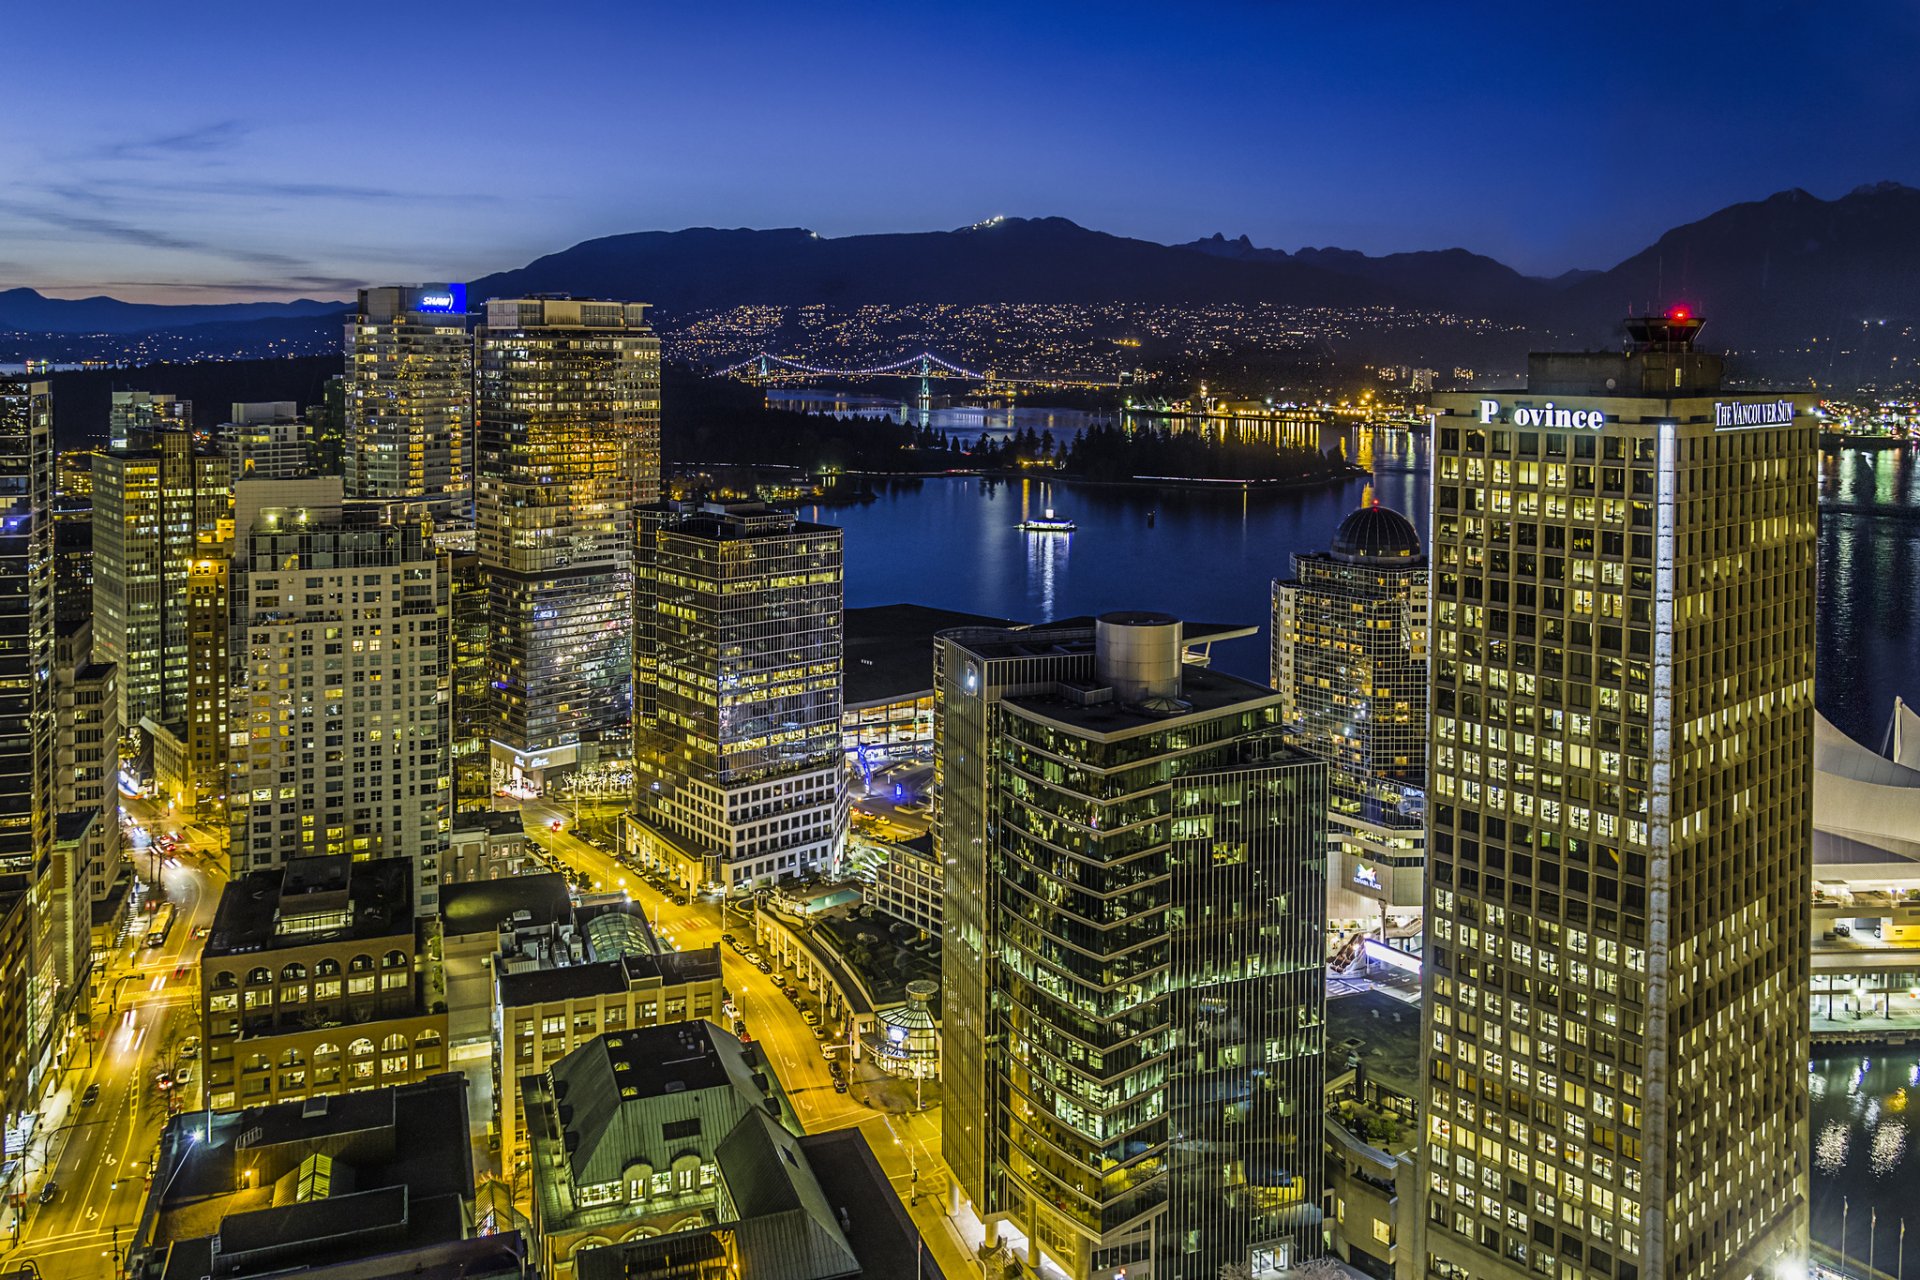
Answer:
(1869, 802)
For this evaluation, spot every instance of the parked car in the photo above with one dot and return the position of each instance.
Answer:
(792, 992)
(809, 1017)
(764, 967)
(839, 1086)
(183, 1077)
(91, 1096)
(727, 938)
(828, 1050)
(739, 1027)
(190, 1048)
(819, 1033)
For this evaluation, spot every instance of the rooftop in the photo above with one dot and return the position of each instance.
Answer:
(1203, 692)
(607, 977)
(326, 1180)
(889, 650)
(372, 899)
(482, 906)
(1383, 1031)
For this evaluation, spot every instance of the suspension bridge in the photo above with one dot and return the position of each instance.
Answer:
(765, 365)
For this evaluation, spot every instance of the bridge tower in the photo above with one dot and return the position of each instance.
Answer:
(923, 405)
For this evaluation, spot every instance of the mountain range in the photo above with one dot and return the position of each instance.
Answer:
(1770, 274)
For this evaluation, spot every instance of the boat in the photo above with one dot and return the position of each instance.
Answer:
(1048, 523)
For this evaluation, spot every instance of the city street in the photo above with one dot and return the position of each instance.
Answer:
(98, 1156)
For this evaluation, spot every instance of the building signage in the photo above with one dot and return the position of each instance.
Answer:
(1768, 413)
(1547, 416)
(448, 297)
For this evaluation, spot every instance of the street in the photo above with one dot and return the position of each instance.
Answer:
(98, 1156)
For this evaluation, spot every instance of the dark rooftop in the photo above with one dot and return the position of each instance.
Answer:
(607, 977)
(1204, 690)
(498, 822)
(1384, 1031)
(889, 649)
(482, 906)
(393, 1172)
(373, 899)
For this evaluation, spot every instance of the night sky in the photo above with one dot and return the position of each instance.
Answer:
(213, 152)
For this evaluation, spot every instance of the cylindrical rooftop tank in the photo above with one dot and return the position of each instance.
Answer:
(1138, 654)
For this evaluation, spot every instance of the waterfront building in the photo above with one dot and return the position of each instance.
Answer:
(569, 444)
(27, 750)
(739, 774)
(265, 440)
(338, 687)
(373, 1183)
(648, 1111)
(1620, 805)
(1133, 971)
(156, 509)
(407, 398)
(135, 418)
(314, 980)
(1350, 665)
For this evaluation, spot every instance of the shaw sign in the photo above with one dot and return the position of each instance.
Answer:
(1768, 413)
(1546, 416)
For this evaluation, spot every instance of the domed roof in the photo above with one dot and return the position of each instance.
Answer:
(1376, 535)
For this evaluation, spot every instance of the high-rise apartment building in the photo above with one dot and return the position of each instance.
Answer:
(265, 440)
(739, 773)
(569, 445)
(155, 510)
(1620, 822)
(409, 397)
(135, 418)
(1350, 665)
(339, 686)
(27, 792)
(1133, 984)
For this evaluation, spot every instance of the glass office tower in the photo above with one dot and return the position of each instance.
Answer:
(738, 666)
(1350, 665)
(1133, 981)
(569, 445)
(1618, 924)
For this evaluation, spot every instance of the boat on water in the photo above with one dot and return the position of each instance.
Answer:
(1048, 523)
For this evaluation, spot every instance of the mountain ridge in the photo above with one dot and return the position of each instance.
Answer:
(1772, 272)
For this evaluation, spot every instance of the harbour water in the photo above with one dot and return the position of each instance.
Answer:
(1209, 556)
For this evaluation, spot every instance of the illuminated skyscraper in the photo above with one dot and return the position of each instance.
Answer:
(1350, 665)
(340, 693)
(409, 397)
(569, 445)
(155, 510)
(27, 788)
(1133, 982)
(1621, 763)
(134, 418)
(738, 668)
(265, 441)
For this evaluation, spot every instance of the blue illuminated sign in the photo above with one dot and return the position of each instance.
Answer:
(450, 298)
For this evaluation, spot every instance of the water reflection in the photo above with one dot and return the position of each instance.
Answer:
(1863, 1159)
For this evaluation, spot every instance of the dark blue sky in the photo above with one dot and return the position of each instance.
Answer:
(210, 151)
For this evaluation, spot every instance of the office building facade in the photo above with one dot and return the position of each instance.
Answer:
(339, 710)
(156, 510)
(738, 663)
(569, 445)
(1133, 993)
(1618, 921)
(1349, 663)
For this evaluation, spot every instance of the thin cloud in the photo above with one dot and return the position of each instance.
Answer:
(112, 229)
(222, 135)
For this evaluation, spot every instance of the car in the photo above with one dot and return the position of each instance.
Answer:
(190, 1048)
(727, 938)
(792, 992)
(48, 1190)
(164, 1080)
(809, 1017)
(764, 967)
(91, 1096)
(183, 1077)
(745, 1038)
(839, 1086)
(739, 1027)
(1843, 930)
(819, 1033)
